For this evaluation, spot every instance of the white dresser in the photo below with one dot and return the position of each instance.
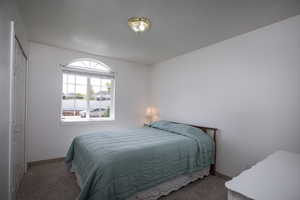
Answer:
(275, 178)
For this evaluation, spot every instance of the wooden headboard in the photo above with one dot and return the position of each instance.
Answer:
(212, 132)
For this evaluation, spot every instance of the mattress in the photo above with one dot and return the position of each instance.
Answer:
(118, 165)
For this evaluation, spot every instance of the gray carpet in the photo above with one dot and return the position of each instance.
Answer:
(52, 181)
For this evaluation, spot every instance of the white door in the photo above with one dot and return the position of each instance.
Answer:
(19, 114)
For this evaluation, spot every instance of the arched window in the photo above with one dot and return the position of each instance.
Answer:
(89, 64)
(87, 91)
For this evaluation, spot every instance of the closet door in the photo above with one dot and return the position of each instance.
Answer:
(20, 73)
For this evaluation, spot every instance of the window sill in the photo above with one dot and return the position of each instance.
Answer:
(84, 121)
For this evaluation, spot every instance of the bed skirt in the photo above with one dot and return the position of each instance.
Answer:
(163, 188)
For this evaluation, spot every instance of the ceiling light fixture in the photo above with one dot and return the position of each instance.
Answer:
(139, 24)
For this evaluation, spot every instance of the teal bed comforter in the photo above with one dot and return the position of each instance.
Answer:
(116, 165)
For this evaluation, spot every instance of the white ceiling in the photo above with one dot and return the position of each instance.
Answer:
(179, 26)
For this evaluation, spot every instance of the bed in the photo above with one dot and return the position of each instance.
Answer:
(143, 163)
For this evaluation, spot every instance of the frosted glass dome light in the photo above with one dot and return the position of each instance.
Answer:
(139, 24)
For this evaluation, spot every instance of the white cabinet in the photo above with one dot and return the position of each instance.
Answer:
(275, 178)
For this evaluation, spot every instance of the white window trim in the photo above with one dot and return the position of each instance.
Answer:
(85, 122)
(89, 73)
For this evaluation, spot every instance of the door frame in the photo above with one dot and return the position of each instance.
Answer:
(11, 173)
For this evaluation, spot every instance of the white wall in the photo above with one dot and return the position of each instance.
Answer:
(47, 138)
(8, 11)
(247, 86)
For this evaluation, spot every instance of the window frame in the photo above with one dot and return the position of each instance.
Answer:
(88, 73)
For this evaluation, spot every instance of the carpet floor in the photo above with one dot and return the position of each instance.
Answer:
(52, 181)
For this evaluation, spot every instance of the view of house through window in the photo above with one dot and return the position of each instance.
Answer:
(88, 91)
